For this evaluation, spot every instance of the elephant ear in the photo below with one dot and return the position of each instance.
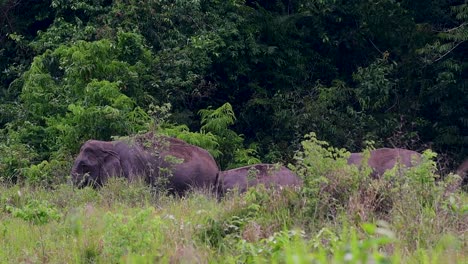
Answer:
(101, 161)
(110, 163)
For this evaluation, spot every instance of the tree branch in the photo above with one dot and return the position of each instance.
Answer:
(446, 53)
(375, 46)
(451, 29)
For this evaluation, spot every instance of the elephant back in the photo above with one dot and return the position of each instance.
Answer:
(384, 159)
(270, 175)
(190, 165)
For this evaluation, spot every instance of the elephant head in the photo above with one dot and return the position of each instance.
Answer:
(384, 159)
(271, 175)
(96, 162)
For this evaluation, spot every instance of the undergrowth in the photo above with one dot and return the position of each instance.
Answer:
(340, 215)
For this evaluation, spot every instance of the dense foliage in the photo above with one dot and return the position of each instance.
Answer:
(250, 81)
(391, 72)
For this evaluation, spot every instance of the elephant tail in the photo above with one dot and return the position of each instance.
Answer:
(217, 186)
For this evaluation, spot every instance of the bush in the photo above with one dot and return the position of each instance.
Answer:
(36, 211)
(329, 183)
(226, 146)
(294, 246)
(14, 157)
(252, 216)
(47, 173)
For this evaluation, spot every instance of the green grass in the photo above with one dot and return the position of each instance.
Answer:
(340, 215)
(124, 223)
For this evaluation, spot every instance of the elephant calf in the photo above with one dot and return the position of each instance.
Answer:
(268, 174)
(99, 160)
(384, 159)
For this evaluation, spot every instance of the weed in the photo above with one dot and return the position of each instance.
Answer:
(120, 191)
(131, 234)
(38, 212)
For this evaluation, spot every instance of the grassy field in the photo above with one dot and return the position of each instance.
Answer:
(124, 223)
(339, 215)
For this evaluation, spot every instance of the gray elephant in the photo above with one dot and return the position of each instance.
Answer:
(149, 160)
(384, 159)
(462, 171)
(268, 174)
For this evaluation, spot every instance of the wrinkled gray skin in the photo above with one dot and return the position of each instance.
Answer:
(267, 174)
(99, 160)
(384, 159)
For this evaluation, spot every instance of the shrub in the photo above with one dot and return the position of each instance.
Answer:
(36, 211)
(221, 233)
(14, 157)
(329, 182)
(252, 216)
(293, 246)
(47, 173)
(231, 145)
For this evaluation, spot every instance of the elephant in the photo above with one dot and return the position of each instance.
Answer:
(462, 171)
(268, 174)
(186, 165)
(384, 159)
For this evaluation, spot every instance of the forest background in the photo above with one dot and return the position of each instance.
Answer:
(244, 79)
(291, 81)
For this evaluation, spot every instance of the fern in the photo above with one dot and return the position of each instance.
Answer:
(217, 120)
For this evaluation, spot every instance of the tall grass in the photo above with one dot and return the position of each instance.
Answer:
(340, 215)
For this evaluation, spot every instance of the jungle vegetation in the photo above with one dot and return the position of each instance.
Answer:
(389, 72)
(290, 81)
